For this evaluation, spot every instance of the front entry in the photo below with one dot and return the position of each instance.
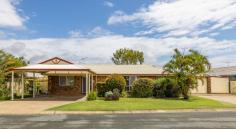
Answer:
(84, 85)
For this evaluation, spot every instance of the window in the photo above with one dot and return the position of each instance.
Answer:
(66, 80)
(129, 80)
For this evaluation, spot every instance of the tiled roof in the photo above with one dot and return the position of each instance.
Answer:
(125, 69)
(98, 69)
(223, 71)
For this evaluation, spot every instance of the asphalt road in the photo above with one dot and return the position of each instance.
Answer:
(196, 120)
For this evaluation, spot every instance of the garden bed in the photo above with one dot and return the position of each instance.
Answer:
(128, 104)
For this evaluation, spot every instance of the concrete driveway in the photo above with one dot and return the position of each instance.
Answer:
(32, 106)
(221, 97)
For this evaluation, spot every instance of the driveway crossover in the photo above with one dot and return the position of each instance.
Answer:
(32, 106)
(221, 97)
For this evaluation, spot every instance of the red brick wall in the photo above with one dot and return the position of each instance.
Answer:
(150, 77)
(55, 89)
(101, 78)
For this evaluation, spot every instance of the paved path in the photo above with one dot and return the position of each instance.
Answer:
(197, 120)
(32, 106)
(221, 97)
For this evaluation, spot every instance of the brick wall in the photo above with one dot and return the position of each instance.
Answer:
(101, 78)
(208, 85)
(150, 77)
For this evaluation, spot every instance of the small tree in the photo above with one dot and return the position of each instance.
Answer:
(115, 81)
(187, 69)
(127, 56)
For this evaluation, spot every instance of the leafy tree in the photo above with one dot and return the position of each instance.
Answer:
(187, 69)
(127, 56)
(8, 61)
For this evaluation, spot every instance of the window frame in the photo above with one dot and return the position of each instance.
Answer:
(67, 82)
(128, 86)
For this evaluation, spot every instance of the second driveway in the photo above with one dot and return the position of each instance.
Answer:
(221, 97)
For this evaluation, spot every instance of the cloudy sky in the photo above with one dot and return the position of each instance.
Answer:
(94, 29)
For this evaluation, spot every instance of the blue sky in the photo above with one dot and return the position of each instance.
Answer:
(49, 20)
(40, 29)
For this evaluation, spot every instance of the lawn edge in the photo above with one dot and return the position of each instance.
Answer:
(141, 111)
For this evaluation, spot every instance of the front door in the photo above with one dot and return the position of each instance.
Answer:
(83, 85)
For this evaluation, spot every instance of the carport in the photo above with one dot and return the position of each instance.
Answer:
(52, 69)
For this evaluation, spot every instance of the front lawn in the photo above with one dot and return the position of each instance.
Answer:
(125, 104)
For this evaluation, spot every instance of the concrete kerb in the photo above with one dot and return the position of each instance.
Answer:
(120, 112)
(138, 111)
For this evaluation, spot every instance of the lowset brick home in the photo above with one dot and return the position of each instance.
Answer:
(68, 79)
(65, 78)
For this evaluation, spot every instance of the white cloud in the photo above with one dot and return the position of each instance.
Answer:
(100, 49)
(95, 32)
(9, 16)
(182, 17)
(98, 31)
(75, 34)
(108, 4)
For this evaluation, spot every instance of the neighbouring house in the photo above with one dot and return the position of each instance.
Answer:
(223, 80)
(218, 81)
(64, 78)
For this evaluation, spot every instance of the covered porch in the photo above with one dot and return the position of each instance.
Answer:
(63, 80)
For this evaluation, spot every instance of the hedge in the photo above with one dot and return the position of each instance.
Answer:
(142, 88)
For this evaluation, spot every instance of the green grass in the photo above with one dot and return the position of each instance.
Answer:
(127, 104)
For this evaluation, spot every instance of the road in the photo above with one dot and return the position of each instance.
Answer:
(194, 120)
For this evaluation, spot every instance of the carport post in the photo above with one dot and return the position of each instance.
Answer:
(33, 85)
(12, 85)
(22, 86)
(86, 78)
(89, 83)
(92, 82)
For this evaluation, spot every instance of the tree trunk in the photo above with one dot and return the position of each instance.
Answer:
(185, 96)
(185, 93)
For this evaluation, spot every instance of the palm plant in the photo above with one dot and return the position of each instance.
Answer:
(187, 69)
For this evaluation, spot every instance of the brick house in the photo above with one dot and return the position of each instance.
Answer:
(68, 79)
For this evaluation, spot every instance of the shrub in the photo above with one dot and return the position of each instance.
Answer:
(116, 94)
(92, 96)
(108, 95)
(142, 88)
(115, 81)
(165, 87)
(101, 89)
(124, 94)
(4, 93)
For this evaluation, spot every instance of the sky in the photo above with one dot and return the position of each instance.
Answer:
(89, 31)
